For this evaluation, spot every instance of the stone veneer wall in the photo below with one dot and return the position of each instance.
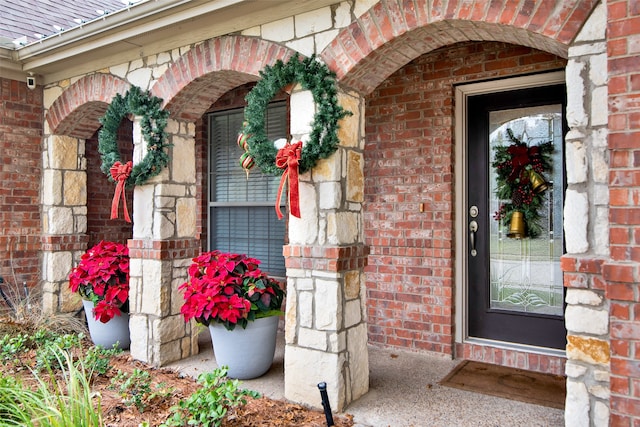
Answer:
(586, 231)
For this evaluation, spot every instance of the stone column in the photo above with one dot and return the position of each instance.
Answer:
(64, 217)
(326, 331)
(164, 242)
(586, 232)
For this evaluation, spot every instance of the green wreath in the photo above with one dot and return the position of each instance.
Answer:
(153, 123)
(323, 140)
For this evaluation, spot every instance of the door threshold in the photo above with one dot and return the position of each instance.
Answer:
(516, 347)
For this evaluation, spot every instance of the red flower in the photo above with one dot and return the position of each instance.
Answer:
(102, 276)
(230, 289)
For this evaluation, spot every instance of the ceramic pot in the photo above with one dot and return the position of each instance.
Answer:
(107, 334)
(248, 353)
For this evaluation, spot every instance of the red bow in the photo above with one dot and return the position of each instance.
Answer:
(120, 173)
(288, 158)
(519, 159)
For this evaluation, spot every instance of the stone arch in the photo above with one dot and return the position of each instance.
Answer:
(212, 68)
(77, 111)
(391, 34)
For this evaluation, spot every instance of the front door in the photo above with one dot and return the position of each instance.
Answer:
(515, 201)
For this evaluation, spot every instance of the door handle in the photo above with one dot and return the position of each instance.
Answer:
(473, 227)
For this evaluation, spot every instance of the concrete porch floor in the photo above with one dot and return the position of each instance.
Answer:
(403, 392)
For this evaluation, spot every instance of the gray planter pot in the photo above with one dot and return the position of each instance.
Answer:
(248, 353)
(107, 334)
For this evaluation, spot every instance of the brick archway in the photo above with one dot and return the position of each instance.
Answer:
(213, 68)
(391, 34)
(76, 112)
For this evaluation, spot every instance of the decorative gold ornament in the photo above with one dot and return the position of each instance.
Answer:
(516, 226)
(538, 184)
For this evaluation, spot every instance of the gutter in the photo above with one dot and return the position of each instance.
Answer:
(104, 30)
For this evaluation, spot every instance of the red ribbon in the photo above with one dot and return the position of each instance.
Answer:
(288, 158)
(521, 156)
(120, 173)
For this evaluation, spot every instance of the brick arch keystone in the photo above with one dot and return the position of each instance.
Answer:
(203, 74)
(392, 33)
(77, 111)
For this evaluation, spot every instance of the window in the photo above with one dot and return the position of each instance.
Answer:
(242, 217)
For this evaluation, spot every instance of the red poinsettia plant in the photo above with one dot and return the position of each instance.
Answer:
(102, 276)
(230, 289)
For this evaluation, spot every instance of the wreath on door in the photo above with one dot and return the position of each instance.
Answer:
(153, 122)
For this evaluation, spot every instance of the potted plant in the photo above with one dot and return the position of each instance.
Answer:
(102, 280)
(241, 306)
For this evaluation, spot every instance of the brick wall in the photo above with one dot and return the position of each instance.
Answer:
(100, 192)
(21, 117)
(622, 272)
(410, 160)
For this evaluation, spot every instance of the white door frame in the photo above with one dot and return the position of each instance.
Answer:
(461, 241)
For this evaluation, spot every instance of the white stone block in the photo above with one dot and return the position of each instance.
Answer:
(186, 217)
(582, 51)
(306, 309)
(573, 370)
(143, 211)
(323, 39)
(140, 77)
(599, 106)
(330, 195)
(576, 219)
(136, 64)
(342, 15)
(583, 297)
(57, 265)
(576, 115)
(599, 391)
(600, 414)
(598, 69)
(586, 320)
(305, 46)
(328, 305)
(601, 375)
(361, 6)
(164, 225)
(51, 187)
(120, 70)
(304, 230)
(290, 318)
(313, 22)
(184, 160)
(169, 328)
(163, 58)
(60, 220)
(173, 190)
(303, 109)
(139, 337)
(304, 369)
(279, 31)
(50, 95)
(596, 25)
(337, 342)
(599, 137)
(352, 313)
(304, 284)
(601, 231)
(576, 410)
(152, 287)
(358, 360)
(311, 338)
(343, 228)
(252, 32)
